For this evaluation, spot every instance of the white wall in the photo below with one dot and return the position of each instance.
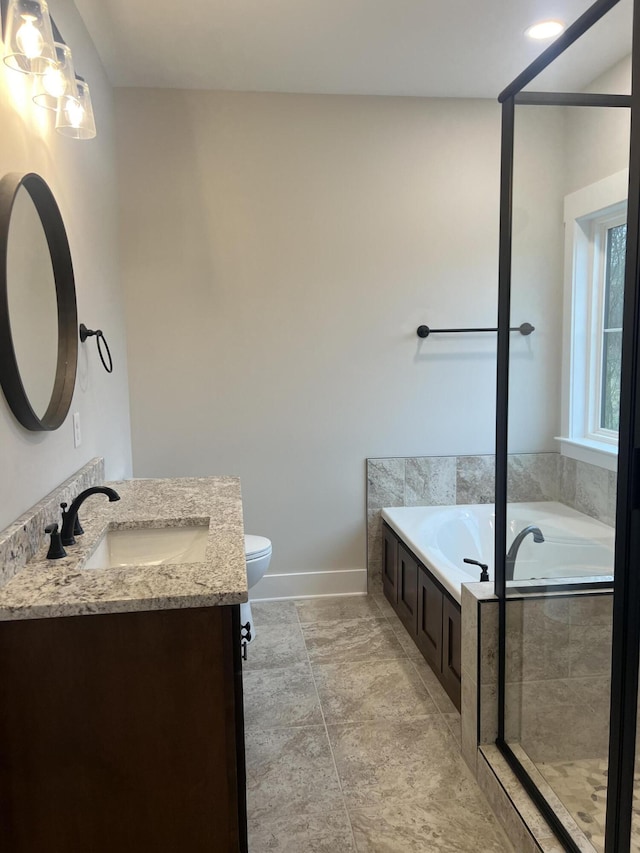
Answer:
(279, 252)
(82, 178)
(536, 278)
(597, 140)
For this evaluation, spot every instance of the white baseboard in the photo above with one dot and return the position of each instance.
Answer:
(310, 585)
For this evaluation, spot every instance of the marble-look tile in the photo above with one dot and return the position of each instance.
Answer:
(587, 691)
(290, 771)
(281, 697)
(564, 732)
(592, 609)
(405, 639)
(469, 703)
(436, 690)
(385, 607)
(374, 538)
(592, 491)
(488, 615)
(274, 613)
(324, 833)
(329, 609)
(488, 713)
(533, 477)
(568, 480)
(515, 827)
(371, 690)
(590, 650)
(430, 481)
(276, 646)
(407, 760)
(434, 825)
(469, 632)
(537, 639)
(454, 723)
(475, 480)
(374, 579)
(351, 639)
(513, 711)
(385, 482)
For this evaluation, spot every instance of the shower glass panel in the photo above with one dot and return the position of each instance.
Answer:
(569, 221)
(561, 509)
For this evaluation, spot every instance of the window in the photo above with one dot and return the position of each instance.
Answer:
(595, 245)
(614, 240)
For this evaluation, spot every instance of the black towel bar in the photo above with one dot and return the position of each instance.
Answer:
(425, 331)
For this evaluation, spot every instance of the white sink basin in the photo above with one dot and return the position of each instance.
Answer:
(149, 547)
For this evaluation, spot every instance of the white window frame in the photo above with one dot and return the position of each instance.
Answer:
(588, 213)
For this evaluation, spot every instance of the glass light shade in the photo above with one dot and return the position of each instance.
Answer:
(58, 80)
(29, 45)
(75, 114)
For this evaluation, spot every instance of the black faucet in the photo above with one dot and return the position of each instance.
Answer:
(70, 524)
(512, 553)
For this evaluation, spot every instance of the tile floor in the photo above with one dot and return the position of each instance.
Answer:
(352, 744)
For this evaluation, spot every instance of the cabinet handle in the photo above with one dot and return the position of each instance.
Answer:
(244, 650)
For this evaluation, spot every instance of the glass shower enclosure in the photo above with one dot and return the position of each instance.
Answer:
(567, 570)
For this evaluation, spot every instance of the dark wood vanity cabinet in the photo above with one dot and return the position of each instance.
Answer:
(407, 601)
(426, 609)
(123, 732)
(429, 630)
(451, 649)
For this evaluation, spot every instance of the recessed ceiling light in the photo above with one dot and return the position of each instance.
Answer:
(545, 30)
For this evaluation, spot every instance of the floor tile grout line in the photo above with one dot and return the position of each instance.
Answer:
(404, 657)
(333, 758)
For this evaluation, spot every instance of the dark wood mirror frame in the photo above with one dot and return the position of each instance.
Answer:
(62, 266)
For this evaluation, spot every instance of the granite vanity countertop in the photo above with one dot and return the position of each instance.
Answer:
(54, 588)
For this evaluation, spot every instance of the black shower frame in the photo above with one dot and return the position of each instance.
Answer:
(626, 605)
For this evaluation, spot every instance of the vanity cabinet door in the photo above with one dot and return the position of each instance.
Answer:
(390, 565)
(429, 637)
(451, 649)
(407, 590)
(123, 733)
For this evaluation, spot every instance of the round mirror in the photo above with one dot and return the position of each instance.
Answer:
(38, 316)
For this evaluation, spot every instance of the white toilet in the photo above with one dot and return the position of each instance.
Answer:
(257, 550)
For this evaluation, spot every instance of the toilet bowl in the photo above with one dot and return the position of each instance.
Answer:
(257, 551)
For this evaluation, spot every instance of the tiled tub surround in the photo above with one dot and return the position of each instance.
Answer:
(446, 480)
(352, 745)
(51, 588)
(25, 537)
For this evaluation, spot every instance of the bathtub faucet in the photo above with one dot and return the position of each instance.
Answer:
(512, 553)
(484, 568)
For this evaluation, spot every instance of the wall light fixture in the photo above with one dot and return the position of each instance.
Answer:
(74, 117)
(33, 45)
(28, 36)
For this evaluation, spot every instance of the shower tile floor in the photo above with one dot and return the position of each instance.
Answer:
(352, 744)
(582, 788)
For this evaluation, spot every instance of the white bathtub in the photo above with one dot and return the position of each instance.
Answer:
(575, 546)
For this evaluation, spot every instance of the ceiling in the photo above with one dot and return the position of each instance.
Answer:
(436, 48)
